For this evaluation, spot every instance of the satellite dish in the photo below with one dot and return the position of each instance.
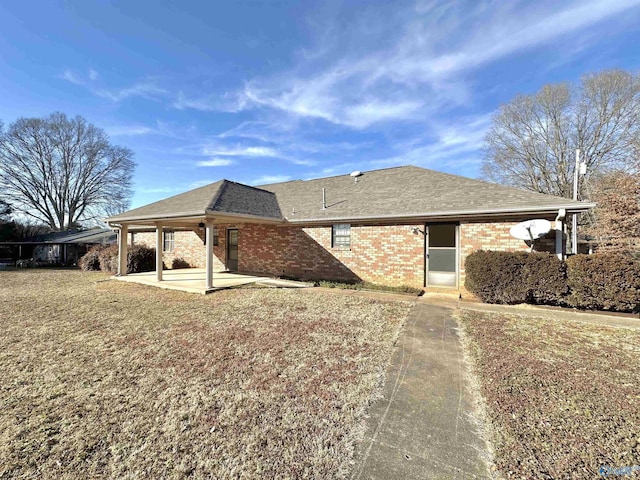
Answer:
(530, 230)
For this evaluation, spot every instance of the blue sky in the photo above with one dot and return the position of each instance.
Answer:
(260, 91)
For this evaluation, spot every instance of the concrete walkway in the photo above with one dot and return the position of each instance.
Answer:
(424, 427)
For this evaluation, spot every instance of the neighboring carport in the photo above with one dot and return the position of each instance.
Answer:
(66, 246)
(202, 208)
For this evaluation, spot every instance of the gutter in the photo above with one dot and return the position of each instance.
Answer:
(551, 210)
(117, 222)
(195, 215)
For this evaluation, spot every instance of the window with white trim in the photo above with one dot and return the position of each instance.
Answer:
(341, 235)
(168, 241)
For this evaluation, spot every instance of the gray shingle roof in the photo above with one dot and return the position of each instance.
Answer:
(222, 196)
(244, 200)
(405, 192)
(192, 202)
(401, 192)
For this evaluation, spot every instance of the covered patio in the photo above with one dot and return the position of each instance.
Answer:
(194, 280)
(197, 210)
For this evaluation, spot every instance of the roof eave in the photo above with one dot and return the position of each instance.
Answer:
(118, 220)
(458, 214)
(193, 216)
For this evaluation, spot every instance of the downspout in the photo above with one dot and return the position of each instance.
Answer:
(426, 255)
(562, 213)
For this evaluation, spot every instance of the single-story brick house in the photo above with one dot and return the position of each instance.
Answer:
(395, 226)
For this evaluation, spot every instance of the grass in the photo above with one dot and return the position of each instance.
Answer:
(111, 379)
(371, 286)
(562, 398)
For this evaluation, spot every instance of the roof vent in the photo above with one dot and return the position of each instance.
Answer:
(355, 175)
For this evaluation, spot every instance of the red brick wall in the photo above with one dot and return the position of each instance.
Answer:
(495, 236)
(383, 254)
(390, 255)
(188, 246)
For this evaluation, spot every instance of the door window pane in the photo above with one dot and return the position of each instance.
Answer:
(233, 237)
(442, 260)
(442, 235)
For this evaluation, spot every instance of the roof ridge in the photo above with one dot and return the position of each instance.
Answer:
(212, 203)
(343, 175)
(487, 182)
(255, 187)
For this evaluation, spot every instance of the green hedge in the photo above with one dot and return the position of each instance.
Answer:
(515, 277)
(606, 281)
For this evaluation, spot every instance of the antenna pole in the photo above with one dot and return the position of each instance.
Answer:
(324, 199)
(574, 217)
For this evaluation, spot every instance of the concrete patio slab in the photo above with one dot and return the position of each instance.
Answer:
(425, 426)
(193, 280)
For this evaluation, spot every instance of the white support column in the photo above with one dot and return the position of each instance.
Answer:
(209, 249)
(159, 252)
(122, 250)
(560, 233)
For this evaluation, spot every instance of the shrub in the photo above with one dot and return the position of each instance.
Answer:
(140, 259)
(90, 261)
(516, 277)
(180, 263)
(604, 281)
(496, 277)
(545, 277)
(108, 257)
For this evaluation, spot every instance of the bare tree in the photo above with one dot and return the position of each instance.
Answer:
(62, 171)
(5, 211)
(533, 139)
(617, 215)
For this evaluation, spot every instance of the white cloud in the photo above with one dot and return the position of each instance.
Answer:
(69, 76)
(365, 114)
(130, 130)
(504, 30)
(239, 151)
(227, 102)
(215, 162)
(451, 144)
(267, 179)
(421, 67)
(145, 90)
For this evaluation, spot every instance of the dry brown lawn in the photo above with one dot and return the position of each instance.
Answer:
(563, 398)
(109, 379)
